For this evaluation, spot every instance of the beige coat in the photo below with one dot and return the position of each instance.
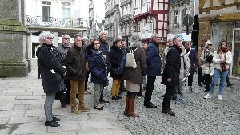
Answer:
(207, 68)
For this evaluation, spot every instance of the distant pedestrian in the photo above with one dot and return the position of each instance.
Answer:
(170, 75)
(52, 72)
(76, 71)
(222, 60)
(134, 76)
(154, 65)
(200, 75)
(98, 70)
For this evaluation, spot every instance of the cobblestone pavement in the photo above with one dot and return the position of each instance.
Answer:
(197, 117)
(21, 112)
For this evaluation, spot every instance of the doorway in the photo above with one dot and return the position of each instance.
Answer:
(236, 53)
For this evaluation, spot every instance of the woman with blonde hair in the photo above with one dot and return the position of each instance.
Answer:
(222, 60)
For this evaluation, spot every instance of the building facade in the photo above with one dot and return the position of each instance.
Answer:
(112, 18)
(220, 20)
(181, 13)
(58, 16)
(151, 16)
(126, 22)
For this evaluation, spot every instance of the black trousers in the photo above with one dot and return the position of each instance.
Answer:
(67, 85)
(208, 80)
(149, 89)
(227, 78)
(170, 90)
(190, 80)
(200, 76)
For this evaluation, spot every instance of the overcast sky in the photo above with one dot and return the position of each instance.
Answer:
(99, 9)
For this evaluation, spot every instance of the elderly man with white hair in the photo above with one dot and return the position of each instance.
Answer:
(52, 70)
(154, 65)
(105, 48)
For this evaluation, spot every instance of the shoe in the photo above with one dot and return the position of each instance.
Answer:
(103, 101)
(83, 109)
(51, 123)
(76, 111)
(180, 101)
(99, 107)
(200, 85)
(206, 90)
(191, 89)
(168, 112)
(220, 97)
(229, 85)
(208, 96)
(174, 97)
(216, 84)
(163, 95)
(150, 105)
(119, 97)
(63, 105)
(55, 118)
(114, 98)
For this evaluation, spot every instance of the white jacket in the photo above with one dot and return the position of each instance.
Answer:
(185, 65)
(219, 57)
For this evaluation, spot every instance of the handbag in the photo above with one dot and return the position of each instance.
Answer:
(60, 95)
(130, 61)
(224, 67)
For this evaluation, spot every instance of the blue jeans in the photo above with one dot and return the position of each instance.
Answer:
(218, 73)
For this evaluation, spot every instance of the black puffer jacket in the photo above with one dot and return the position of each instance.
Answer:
(116, 55)
(52, 70)
(76, 64)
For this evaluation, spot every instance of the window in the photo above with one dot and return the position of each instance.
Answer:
(66, 9)
(46, 11)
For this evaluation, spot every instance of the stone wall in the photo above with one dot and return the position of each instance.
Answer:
(13, 42)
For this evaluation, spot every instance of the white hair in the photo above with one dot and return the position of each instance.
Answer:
(154, 35)
(135, 40)
(43, 36)
(103, 32)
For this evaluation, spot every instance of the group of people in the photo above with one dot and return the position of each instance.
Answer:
(66, 68)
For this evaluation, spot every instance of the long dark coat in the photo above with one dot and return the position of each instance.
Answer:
(116, 55)
(135, 75)
(193, 60)
(97, 66)
(51, 69)
(154, 62)
(76, 64)
(172, 67)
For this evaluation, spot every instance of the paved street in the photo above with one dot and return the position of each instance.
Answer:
(22, 100)
(21, 112)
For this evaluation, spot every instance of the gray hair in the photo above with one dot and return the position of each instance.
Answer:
(44, 35)
(175, 38)
(103, 32)
(154, 35)
(66, 35)
(135, 40)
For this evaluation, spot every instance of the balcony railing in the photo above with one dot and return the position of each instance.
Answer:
(54, 22)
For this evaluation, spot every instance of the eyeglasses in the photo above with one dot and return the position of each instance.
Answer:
(49, 38)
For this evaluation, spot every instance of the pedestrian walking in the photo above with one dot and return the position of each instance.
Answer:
(154, 65)
(222, 60)
(134, 76)
(76, 71)
(170, 75)
(52, 72)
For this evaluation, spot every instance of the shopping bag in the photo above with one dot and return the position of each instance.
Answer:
(130, 61)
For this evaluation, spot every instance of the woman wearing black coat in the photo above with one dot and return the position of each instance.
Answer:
(52, 71)
(117, 61)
